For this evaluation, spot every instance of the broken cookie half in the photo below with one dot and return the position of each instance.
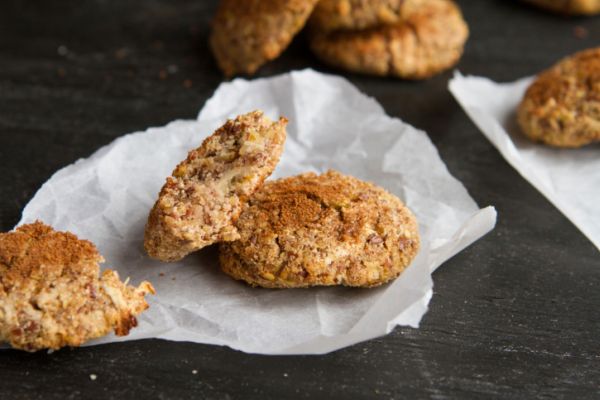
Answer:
(51, 295)
(200, 202)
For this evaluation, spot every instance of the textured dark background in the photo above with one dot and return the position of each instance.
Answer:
(514, 316)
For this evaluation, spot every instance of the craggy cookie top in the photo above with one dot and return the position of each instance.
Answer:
(332, 15)
(248, 33)
(574, 7)
(51, 295)
(327, 229)
(200, 202)
(428, 38)
(562, 106)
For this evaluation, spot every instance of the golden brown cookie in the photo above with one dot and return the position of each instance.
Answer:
(327, 229)
(428, 39)
(334, 15)
(562, 106)
(248, 33)
(199, 204)
(570, 7)
(51, 295)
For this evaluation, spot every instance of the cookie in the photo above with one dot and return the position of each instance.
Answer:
(200, 202)
(562, 106)
(248, 33)
(51, 295)
(429, 38)
(569, 7)
(321, 230)
(335, 15)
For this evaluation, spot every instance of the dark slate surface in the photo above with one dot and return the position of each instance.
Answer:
(514, 316)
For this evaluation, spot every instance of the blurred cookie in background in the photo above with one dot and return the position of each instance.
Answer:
(561, 107)
(248, 33)
(569, 7)
(428, 38)
(333, 15)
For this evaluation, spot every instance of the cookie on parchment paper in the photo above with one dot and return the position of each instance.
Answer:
(428, 39)
(321, 230)
(248, 33)
(561, 107)
(51, 295)
(200, 202)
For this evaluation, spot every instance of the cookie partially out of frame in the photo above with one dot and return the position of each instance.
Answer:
(562, 106)
(51, 295)
(569, 7)
(248, 33)
(428, 39)
(321, 230)
(200, 202)
(334, 15)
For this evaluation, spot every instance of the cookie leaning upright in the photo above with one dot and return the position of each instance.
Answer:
(321, 230)
(427, 38)
(200, 202)
(51, 295)
(248, 33)
(562, 106)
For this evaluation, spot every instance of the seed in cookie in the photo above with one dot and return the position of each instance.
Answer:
(321, 230)
(561, 107)
(200, 202)
(51, 295)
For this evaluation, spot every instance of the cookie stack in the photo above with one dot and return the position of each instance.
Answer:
(411, 39)
(306, 230)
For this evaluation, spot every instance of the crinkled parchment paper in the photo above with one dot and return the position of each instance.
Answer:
(569, 178)
(106, 198)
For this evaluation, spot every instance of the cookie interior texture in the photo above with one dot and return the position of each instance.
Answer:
(248, 33)
(428, 38)
(562, 106)
(571, 7)
(334, 15)
(200, 202)
(51, 295)
(327, 229)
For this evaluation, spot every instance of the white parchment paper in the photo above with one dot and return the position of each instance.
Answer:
(569, 178)
(106, 198)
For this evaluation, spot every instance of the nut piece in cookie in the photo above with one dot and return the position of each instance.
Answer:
(321, 230)
(561, 107)
(200, 202)
(569, 7)
(428, 38)
(333, 15)
(51, 295)
(248, 33)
